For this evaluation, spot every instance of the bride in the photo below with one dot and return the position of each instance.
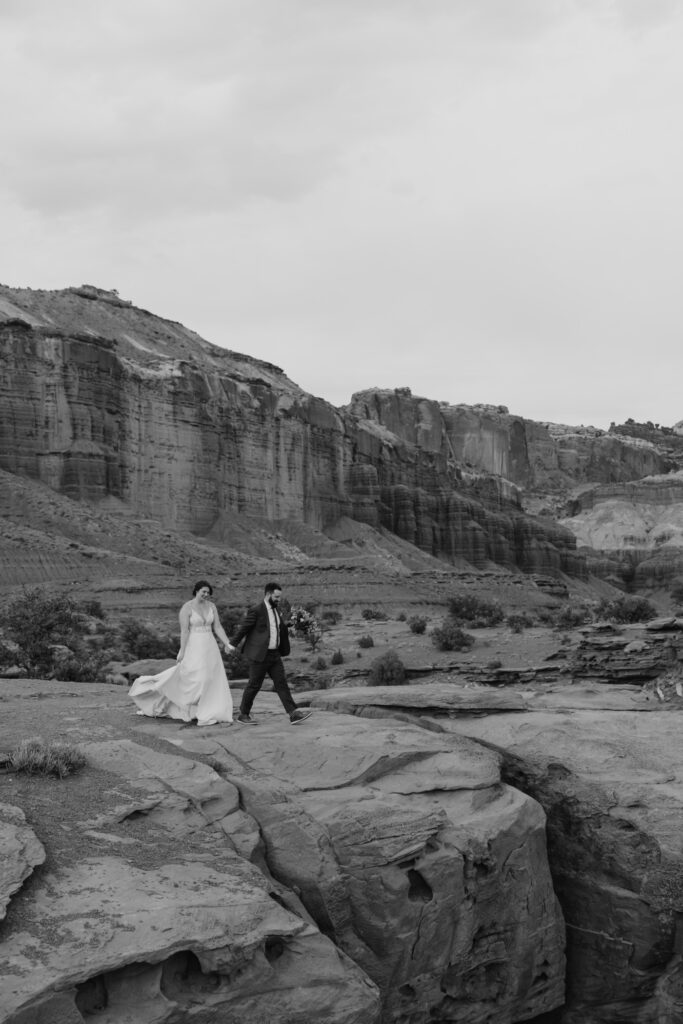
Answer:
(197, 687)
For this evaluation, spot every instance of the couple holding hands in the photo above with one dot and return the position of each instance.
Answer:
(196, 688)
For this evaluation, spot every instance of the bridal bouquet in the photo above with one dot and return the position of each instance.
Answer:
(304, 625)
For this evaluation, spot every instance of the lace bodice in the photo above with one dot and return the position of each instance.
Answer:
(198, 624)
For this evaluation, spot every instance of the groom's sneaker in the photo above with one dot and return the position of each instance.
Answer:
(300, 715)
(246, 720)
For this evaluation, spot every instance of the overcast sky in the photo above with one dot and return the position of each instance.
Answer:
(481, 200)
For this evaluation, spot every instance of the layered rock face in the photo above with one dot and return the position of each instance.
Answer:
(645, 513)
(488, 439)
(638, 526)
(102, 400)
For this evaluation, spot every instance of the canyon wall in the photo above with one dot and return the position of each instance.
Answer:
(102, 400)
(488, 439)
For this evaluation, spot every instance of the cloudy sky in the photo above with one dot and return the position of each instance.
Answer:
(479, 199)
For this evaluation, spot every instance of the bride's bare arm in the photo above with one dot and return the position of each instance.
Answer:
(220, 632)
(184, 618)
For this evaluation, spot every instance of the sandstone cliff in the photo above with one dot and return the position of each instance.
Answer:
(105, 401)
(487, 439)
(637, 527)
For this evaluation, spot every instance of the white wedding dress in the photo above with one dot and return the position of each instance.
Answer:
(197, 687)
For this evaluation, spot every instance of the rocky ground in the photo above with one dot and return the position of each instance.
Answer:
(349, 848)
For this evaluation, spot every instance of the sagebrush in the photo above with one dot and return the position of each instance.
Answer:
(450, 637)
(387, 670)
(519, 621)
(475, 612)
(143, 641)
(374, 614)
(626, 609)
(573, 615)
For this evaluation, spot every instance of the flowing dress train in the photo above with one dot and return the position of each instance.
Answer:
(197, 687)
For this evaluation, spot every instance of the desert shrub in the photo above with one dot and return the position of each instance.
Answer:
(401, 617)
(230, 617)
(494, 664)
(374, 614)
(418, 624)
(39, 624)
(387, 670)
(81, 665)
(320, 664)
(450, 637)
(366, 640)
(36, 757)
(573, 615)
(331, 617)
(626, 609)
(304, 625)
(142, 641)
(676, 590)
(337, 658)
(519, 622)
(476, 612)
(92, 607)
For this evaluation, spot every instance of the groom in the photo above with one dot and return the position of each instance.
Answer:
(266, 641)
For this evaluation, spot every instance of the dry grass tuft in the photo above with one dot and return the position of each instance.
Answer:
(36, 757)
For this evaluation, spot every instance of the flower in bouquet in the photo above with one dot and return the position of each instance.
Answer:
(305, 626)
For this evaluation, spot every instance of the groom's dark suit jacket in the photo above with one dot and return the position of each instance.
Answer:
(256, 629)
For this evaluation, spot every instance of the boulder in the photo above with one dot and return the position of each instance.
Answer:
(12, 672)
(606, 765)
(406, 850)
(20, 852)
(173, 942)
(172, 916)
(663, 624)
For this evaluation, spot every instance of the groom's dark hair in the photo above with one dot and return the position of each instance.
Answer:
(270, 587)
